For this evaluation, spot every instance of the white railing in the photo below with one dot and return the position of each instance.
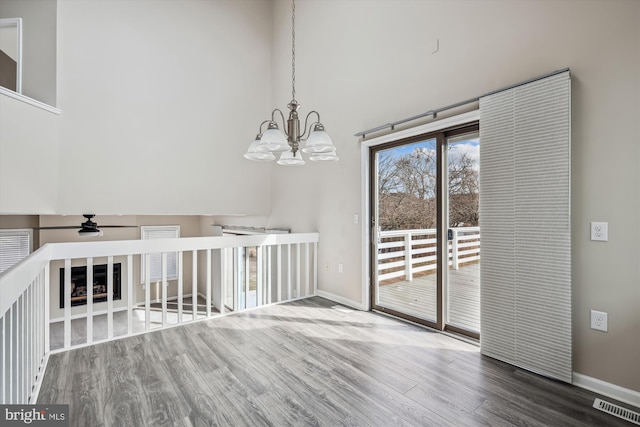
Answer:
(230, 273)
(404, 253)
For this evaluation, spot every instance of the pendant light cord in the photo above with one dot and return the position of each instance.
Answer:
(293, 50)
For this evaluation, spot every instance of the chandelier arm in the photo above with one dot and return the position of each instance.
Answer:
(284, 122)
(305, 123)
(262, 124)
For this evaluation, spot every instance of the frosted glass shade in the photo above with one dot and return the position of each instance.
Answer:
(319, 142)
(273, 141)
(260, 156)
(324, 157)
(289, 159)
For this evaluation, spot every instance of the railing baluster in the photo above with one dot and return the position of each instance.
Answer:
(454, 249)
(45, 303)
(194, 284)
(298, 275)
(129, 294)
(307, 270)
(89, 300)
(288, 271)
(247, 277)
(147, 292)
(315, 268)
(21, 356)
(208, 291)
(67, 303)
(110, 297)
(407, 257)
(163, 291)
(11, 382)
(29, 337)
(268, 275)
(223, 280)
(279, 273)
(180, 286)
(259, 278)
(3, 392)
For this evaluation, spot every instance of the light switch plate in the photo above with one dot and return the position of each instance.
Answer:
(600, 231)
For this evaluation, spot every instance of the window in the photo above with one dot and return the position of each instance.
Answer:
(15, 245)
(160, 232)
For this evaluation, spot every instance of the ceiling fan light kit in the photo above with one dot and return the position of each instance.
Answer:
(289, 142)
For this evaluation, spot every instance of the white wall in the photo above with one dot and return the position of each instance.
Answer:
(28, 143)
(160, 100)
(365, 63)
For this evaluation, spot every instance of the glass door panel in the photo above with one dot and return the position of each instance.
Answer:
(462, 281)
(404, 232)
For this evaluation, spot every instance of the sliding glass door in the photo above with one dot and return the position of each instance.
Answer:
(405, 232)
(425, 235)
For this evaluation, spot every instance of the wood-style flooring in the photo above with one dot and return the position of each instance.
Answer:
(308, 362)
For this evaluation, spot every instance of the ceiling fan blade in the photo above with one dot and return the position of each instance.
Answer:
(117, 226)
(58, 227)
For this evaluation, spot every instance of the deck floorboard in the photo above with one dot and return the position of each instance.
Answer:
(418, 297)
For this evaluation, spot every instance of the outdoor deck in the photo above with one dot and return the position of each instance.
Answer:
(418, 297)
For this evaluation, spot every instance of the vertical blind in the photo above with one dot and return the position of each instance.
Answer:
(525, 211)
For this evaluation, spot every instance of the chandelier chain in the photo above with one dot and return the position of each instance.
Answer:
(293, 49)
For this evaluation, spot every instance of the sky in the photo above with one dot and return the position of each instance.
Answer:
(470, 146)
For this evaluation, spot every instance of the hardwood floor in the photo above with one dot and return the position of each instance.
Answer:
(309, 362)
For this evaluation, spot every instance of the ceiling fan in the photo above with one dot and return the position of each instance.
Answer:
(87, 228)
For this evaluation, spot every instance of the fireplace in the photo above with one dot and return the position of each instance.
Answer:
(79, 284)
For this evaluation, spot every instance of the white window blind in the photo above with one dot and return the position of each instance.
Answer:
(155, 259)
(525, 215)
(15, 245)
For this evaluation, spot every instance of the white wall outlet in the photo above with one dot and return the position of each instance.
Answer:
(599, 320)
(356, 218)
(340, 268)
(600, 231)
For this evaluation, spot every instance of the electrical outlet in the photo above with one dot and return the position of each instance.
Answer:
(327, 267)
(600, 231)
(599, 320)
(340, 268)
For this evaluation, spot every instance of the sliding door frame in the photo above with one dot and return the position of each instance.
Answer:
(441, 136)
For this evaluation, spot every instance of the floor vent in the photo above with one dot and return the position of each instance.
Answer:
(617, 411)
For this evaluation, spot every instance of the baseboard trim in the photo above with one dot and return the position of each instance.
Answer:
(340, 300)
(604, 388)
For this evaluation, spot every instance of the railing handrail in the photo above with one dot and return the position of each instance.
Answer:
(15, 280)
(389, 233)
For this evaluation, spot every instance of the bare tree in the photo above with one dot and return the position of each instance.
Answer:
(407, 190)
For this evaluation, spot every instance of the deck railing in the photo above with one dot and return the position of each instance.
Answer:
(230, 273)
(404, 253)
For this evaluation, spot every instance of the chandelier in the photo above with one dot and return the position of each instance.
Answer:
(291, 142)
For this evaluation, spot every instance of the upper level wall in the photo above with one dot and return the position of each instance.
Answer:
(38, 45)
(28, 157)
(160, 101)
